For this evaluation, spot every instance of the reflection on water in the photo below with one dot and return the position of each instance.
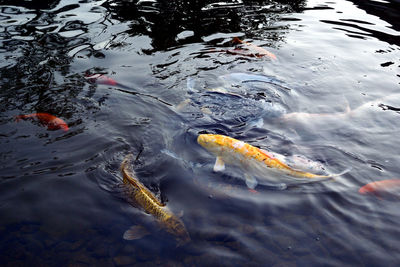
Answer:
(170, 71)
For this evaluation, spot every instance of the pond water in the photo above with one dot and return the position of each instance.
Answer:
(180, 72)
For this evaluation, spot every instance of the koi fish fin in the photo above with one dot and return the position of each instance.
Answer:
(190, 84)
(269, 154)
(277, 156)
(348, 109)
(340, 173)
(253, 191)
(219, 165)
(236, 40)
(318, 178)
(221, 90)
(300, 162)
(251, 182)
(135, 232)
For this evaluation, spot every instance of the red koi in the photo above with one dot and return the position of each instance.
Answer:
(51, 121)
(254, 50)
(389, 186)
(101, 79)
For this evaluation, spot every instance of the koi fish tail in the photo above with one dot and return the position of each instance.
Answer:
(348, 109)
(343, 172)
(22, 117)
(330, 176)
(19, 117)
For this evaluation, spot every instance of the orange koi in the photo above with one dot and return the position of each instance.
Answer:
(253, 49)
(257, 162)
(51, 121)
(101, 79)
(381, 187)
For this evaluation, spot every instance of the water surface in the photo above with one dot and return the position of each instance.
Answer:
(58, 202)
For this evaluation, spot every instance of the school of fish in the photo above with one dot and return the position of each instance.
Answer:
(257, 164)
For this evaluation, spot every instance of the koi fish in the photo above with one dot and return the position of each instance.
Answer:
(51, 121)
(253, 49)
(101, 79)
(370, 106)
(252, 159)
(146, 200)
(379, 188)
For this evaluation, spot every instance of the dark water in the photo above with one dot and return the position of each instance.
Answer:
(58, 206)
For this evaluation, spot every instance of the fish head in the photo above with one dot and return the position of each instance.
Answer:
(57, 123)
(63, 125)
(370, 188)
(211, 142)
(175, 226)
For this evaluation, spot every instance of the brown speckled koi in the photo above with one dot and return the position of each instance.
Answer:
(150, 204)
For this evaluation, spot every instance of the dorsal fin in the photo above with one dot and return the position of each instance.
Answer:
(130, 178)
(236, 40)
(266, 153)
(274, 155)
(277, 158)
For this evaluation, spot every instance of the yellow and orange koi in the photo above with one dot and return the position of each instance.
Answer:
(252, 159)
(146, 200)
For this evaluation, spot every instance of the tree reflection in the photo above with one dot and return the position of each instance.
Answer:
(385, 10)
(35, 73)
(163, 20)
(42, 4)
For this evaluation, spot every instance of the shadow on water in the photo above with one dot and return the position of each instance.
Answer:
(385, 10)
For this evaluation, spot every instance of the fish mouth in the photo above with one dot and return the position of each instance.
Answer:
(362, 191)
(201, 139)
(204, 139)
(366, 191)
